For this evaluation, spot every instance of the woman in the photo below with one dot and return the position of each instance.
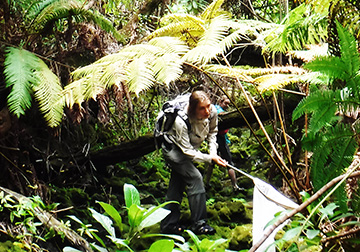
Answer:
(180, 156)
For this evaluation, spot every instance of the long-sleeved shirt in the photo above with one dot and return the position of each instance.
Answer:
(201, 130)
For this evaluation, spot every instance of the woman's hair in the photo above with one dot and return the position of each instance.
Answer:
(196, 97)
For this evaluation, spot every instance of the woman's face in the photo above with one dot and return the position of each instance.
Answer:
(203, 109)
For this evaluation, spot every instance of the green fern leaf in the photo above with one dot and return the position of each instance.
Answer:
(37, 7)
(315, 101)
(48, 94)
(333, 155)
(349, 51)
(333, 67)
(49, 11)
(300, 28)
(19, 76)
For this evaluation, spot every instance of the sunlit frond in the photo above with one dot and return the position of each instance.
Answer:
(208, 46)
(231, 72)
(183, 26)
(170, 45)
(213, 10)
(275, 81)
(310, 54)
(48, 95)
(74, 93)
(140, 76)
(167, 68)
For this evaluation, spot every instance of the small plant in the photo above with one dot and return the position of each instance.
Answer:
(22, 212)
(139, 218)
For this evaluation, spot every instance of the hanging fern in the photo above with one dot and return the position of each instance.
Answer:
(139, 66)
(27, 75)
(46, 12)
(48, 95)
(19, 76)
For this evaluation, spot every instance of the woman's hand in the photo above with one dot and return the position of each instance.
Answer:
(218, 160)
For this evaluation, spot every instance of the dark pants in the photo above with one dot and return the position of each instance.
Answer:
(184, 174)
(223, 148)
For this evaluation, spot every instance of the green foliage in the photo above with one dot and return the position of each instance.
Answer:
(332, 143)
(205, 244)
(46, 12)
(138, 217)
(301, 27)
(28, 76)
(22, 213)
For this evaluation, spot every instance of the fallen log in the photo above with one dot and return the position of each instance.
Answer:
(145, 144)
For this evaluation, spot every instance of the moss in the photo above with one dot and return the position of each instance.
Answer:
(10, 246)
(241, 237)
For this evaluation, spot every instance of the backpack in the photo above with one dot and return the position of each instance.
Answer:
(166, 118)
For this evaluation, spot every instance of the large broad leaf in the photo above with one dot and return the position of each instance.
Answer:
(135, 215)
(162, 246)
(120, 242)
(208, 245)
(152, 216)
(131, 195)
(113, 213)
(104, 221)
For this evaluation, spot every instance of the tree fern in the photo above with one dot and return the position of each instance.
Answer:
(27, 75)
(19, 73)
(48, 95)
(139, 66)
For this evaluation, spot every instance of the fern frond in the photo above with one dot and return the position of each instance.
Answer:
(48, 95)
(19, 76)
(54, 11)
(349, 51)
(100, 20)
(231, 72)
(333, 67)
(140, 76)
(37, 7)
(180, 25)
(275, 81)
(212, 10)
(300, 28)
(209, 44)
(49, 11)
(334, 154)
(310, 54)
(74, 93)
(170, 45)
(322, 105)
